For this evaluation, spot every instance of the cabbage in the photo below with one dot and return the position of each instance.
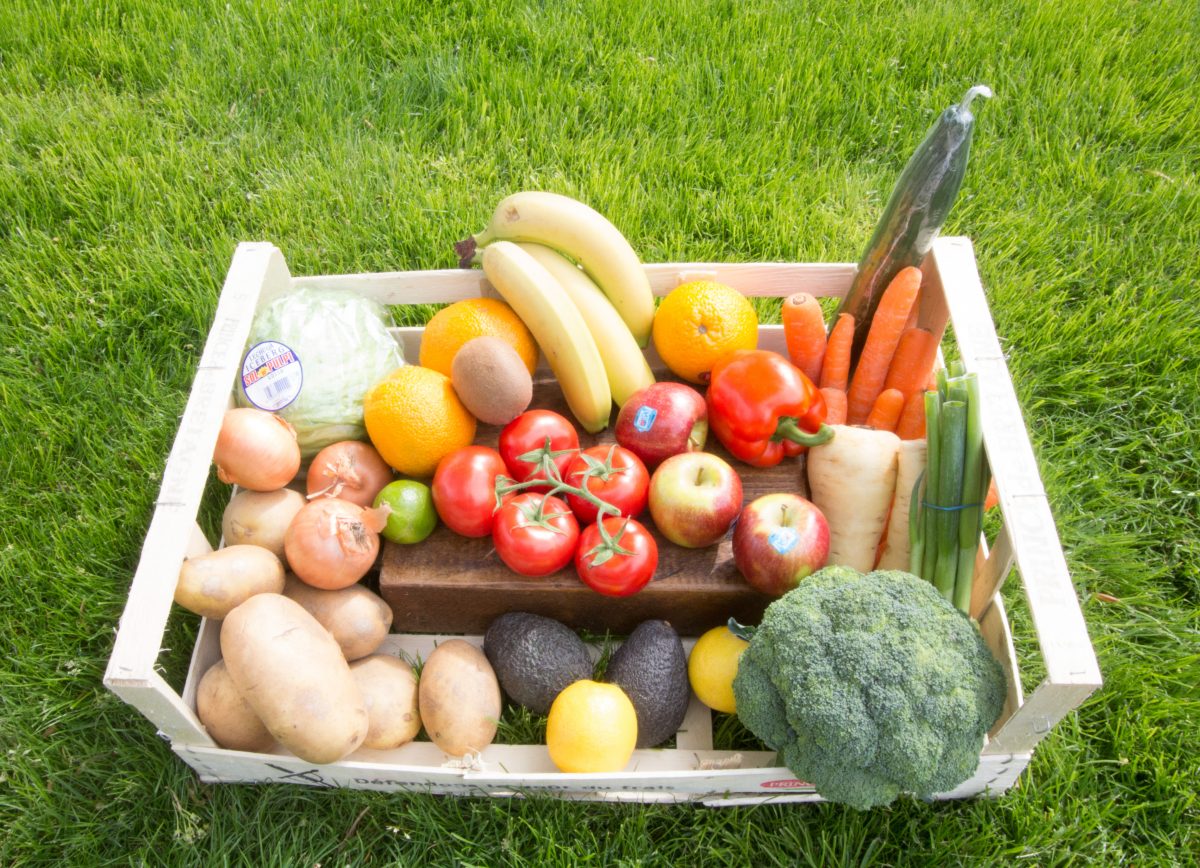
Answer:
(339, 348)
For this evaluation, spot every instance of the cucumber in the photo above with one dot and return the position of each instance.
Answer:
(919, 205)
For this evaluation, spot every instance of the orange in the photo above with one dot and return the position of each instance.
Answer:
(453, 326)
(699, 323)
(415, 419)
(592, 727)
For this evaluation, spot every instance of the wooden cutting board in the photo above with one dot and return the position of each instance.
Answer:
(452, 584)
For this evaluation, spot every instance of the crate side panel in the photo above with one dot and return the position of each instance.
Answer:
(766, 279)
(1054, 606)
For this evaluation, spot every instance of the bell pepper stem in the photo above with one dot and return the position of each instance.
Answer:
(789, 430)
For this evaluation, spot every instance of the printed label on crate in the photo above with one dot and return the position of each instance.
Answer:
(787, 784)
(272, 375)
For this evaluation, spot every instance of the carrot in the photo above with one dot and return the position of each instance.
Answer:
(886, 327)
(886, 412)
(804, 331)
(852, 479)
(911, 425)
(835, 369)
(835, 405)
(993, 497)
(914, 315)
(912, 361)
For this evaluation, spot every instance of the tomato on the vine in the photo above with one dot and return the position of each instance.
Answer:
(537, 431)
(535, 534)
(464, 489)
(614, 475)
(620, 565)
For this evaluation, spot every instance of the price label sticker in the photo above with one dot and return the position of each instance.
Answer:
(272, 375)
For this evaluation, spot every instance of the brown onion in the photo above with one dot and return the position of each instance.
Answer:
(260, 518)
(256, 450)
(332, 543)
(351, 470)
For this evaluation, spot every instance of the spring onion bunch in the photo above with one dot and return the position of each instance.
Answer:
(946, 512)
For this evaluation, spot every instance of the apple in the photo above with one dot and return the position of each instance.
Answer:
(694, 497)
(661, 420)
(780, 539)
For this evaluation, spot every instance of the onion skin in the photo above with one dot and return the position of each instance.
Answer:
(349, 469)
(256, 450)
(332, 543)
(261, 518)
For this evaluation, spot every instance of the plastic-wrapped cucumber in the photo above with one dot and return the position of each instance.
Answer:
(312, 355)
(919, 205)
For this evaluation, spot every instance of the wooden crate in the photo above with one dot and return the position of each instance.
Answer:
(692, 771)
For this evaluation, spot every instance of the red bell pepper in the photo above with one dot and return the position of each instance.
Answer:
(762, 407)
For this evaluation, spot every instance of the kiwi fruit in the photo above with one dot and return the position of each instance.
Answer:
(491, 380)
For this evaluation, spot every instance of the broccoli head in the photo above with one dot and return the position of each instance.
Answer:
(870, 686)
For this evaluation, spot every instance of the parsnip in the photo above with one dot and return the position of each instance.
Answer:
(896, 548)
(852, 479)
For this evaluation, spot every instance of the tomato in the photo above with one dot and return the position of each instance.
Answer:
(464, 489)
(611, 473)
(527, 434)
(535, 534)
(621, 568)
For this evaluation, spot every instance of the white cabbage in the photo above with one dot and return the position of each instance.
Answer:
(342, 342)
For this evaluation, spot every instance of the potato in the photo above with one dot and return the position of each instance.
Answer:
(213, 584)
(358, 619)
(292, 673)
(459, 698)
(261, 518)
(389, 687)
(226, 715)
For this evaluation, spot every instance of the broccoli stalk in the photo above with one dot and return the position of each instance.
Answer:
(870, 686)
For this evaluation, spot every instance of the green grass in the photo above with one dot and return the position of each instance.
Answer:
(140, 142)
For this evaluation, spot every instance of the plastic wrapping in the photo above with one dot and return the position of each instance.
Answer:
(311, 357)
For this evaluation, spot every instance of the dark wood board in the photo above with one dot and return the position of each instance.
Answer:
(452, 584)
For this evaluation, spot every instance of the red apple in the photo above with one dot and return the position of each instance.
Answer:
(694, 497)
(662, 420)
(780, 539)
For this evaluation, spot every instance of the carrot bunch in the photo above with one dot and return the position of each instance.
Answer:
(888, 386)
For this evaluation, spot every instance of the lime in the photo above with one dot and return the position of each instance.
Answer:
(413, 517)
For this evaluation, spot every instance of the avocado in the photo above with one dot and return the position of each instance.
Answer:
(651, 667)
(535, 658)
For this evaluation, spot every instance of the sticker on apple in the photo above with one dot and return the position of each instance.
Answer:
(783, 539)
(644, 420)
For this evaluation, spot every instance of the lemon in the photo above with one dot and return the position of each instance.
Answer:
(712, 665)
(592, 727)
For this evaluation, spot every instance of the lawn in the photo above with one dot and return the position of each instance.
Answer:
(139, 142)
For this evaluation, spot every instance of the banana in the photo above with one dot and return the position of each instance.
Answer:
(558, 327)
(624, 362)
(582, 234)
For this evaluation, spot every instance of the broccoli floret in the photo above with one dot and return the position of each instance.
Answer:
(870, 686)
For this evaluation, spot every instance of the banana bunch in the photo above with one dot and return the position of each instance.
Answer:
(589, 321)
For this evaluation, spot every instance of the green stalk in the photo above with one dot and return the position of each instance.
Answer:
(957, 389)
(916, 526)
(933, 415)
(950, 477)
(970, 518)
